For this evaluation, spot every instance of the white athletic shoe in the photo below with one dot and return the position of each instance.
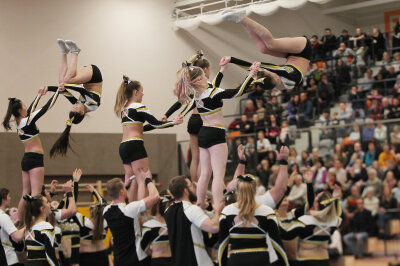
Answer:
(63, 47)
(74, 49)
(233, 15)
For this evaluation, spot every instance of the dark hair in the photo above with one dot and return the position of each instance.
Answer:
(14, 105)
(96, 215)
(344, 30)
(114, 186)
(163, 203)
(125, 92)
(328, 29)
(199, 60)
(61, 146)
(32, 209)
(3, 194)
(177, 186)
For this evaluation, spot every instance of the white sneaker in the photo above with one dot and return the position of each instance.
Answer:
(74, 49)
(63, 47)
(233, 15)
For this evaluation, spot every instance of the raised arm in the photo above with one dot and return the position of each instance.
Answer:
(71, 209)
(96, 194)
(281, 182)
(153, 196)
(239, 169)
(33, 115)
(71, 98)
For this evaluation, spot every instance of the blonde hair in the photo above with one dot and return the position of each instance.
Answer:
(124, 93)
(187, 82)
(246, 192)
(329, 212)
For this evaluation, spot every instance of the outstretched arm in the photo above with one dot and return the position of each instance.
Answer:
(154, 123)
(33, 115)
(71, 98)
(280, 186)
(96, 194)
(239, 169)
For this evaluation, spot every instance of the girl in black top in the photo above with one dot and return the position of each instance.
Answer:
(25, 118)
(92, 84)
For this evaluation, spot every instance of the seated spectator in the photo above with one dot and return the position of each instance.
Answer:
(396, 168)
(273, 176)
(345, 114)
(316, 48)
(320, 174)
(257, 123)
(324, 120)
(351, 201)
(360, 223)
(387, 202)
(359, 39)
(341, 176)
(325, 93)
(315, 155)
(371, 202)
(272, 130)
(380, 82)
(375, 111)
(374, 182)
(357, 174)
(395, 135)
(380, 133)
(284, 137)
(263, 172)
(340, 154)
(260, 109)
(357, 100)
(293, 107)
(305, 160)
(298, 192)
(354, 135)
(263, 145)
(304, 111)
(387, 109)
(396, 61)
(271, 157)
(385, 156)
(358, 153)
(392, 75)
(371, 155)
(368, 81)
(258, 93)
(396, 107)
(389, 180)
(344, 38)
(386, 60)
(293, 157)
(328, 42)
(250, 109)
(378, 44)
(245, 125)
(343, 52)
(250, 151)
(273, 107)
(368, 132)
(396, 192)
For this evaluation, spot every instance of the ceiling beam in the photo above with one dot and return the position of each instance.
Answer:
(187, 2)
(364, 4)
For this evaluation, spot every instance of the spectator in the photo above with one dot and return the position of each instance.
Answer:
(345, 113)
(343, 53)
(386, 60)
(379, 83)
(264, 172)
(357, 174)
(293, 157)
(263, 145)
(257, 123)
(396, 37)
(378, 44)
(245, 126)
(375, 111)
(392, 76)
(250, 108)
(284, 137)
(359, 63)
(340, 154)
(360, 223)
(387, 109)
(320, 174)
(395, 62)
(293, 107)
(328, 42)
(272, 130)
(273, 175)
(389, 180)
(305, 160)
(368, 132)
(341, 176)
(324, 120)
(357, 100)
(385, 156)
(342, 77)
(314, 155)
(357, 154)
(304, 111)
(374, 182)
(396, 192)
(273, 107)
(258, 93)
(354, 134)
(395, 136)
(380, 134)
(396, 168)
(250, 151)
(316, 48)
(344, 38)
(387, 202)
(371, 155)
(359, 39)
(260, 109)
(298, 192)
(371, 202)
(325, 93)
(351, 201)
(368, 81)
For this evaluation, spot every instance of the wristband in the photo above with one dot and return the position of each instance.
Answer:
(148, 180)
(283, 162)
(69, 195)
(243, 162)
(52, 194)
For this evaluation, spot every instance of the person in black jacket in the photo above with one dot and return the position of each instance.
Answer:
(328, 42)
(360, 225)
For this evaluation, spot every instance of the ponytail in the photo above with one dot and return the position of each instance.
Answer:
(32, 209)
(61, 146)
(246, 197)
(327, 208)
(199, 60)
(96, 215)
(14, 105)
(124, 93)
(187, 81)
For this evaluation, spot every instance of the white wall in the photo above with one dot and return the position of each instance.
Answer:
(132, 37)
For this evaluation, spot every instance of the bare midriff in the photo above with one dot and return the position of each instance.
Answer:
(34, 145)
(215, 119)
(313, 250)
(91, 246)
(94, 87)
(161, 250)
(132, 131)
(299, 62)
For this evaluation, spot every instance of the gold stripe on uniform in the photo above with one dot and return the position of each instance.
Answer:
(198, 245)
(213, 92)
(212, 112)
(233, 251)
(130, 139)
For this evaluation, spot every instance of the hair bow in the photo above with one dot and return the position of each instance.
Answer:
(200, 54)
(28, 198)
(325, 203)
(127, 80)
(69, 121)
(246, 178)
(166, 198)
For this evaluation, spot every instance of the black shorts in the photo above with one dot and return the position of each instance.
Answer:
(99, 258)
(75, 245)
(194, 124)
(96, 76)
(31, 160)
(290, 75)
(210, 136)
(161, 261)
(306, 53)
(132, 150)
(248, 258)
(312, 263)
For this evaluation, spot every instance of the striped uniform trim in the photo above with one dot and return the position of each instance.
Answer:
(212, 112)
(34, 248)
(199, 245)
(280, 250)
(247, 236)
(313, 258)
(132, 139)
(165, 242)
(244, 85)
(132, 123)
(215, 126)
(245, 250)
(298, 68)
(31, 138)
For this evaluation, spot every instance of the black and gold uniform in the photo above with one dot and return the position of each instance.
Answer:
(90, 99)
(27, 130)
(137, 114)
(195, 122)
(85, 230)
(311, 231)
(7, 227)
(259, 244)
(155, 233)
(40, 245)
(210, 102)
